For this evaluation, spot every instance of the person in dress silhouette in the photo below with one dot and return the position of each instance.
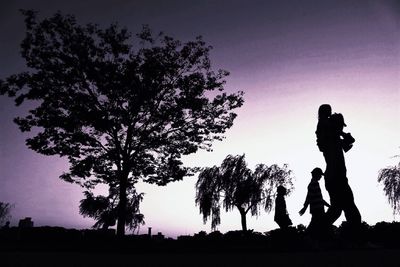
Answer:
(281, 215)
(331, 141)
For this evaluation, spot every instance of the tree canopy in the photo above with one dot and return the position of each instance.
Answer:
(120, 111)
(234, 185)
(390, 178)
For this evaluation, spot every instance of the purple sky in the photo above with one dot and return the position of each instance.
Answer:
(288, 56)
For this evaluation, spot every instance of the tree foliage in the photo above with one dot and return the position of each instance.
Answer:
(104, 209)
(119, 112)
(5, 210)
(390, 178)
(234, 185)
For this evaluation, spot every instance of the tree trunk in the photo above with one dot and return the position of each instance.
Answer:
(243, 217)
(122, 206)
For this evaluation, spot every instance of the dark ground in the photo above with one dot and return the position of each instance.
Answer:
(382, 257)
(377, 245)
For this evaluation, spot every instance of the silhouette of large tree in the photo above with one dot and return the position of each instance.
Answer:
(117, 113)
(390, 178)
(233, 185)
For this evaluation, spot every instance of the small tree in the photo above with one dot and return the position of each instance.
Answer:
(390, 177)
(5, 210)
(104, 209)
(117, 113)
(240, 188)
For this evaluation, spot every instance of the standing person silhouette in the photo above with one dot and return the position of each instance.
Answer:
(281, 215)
(316, 202)
(331, 140)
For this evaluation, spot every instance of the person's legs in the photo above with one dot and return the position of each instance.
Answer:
(350, 209)
(283, 223)
(333, 213)
(335, 210)
(318, 226)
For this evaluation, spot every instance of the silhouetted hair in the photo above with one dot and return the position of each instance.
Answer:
(324, 111)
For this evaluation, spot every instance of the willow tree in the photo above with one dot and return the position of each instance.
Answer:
(233, 185)
(103, 209)
(119, 112)
(390, 178)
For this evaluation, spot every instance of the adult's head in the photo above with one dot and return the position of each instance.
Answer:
(324, 111)
(317, 173)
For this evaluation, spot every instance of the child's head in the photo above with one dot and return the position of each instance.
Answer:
(324, 111)
(338, 121)
(281, 190)
(317, 173)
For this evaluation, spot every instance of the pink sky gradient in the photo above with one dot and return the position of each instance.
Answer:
(288, 58)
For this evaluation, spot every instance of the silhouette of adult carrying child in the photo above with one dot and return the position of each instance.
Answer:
(331, 141)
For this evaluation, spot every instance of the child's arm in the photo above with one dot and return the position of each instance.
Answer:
(305, 206)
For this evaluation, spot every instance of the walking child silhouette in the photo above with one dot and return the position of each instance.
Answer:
(316, 202)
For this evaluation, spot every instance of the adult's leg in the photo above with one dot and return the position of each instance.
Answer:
(350, 209)
(335, 178)
(335, 210)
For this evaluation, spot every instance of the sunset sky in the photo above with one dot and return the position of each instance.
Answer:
(288, 57)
